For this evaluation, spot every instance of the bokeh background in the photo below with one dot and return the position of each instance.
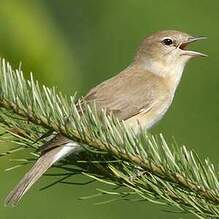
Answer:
(76, 44)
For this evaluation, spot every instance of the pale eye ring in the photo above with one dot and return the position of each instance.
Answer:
(167, 41)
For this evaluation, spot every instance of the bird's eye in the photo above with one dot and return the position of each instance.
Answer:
(167, 42)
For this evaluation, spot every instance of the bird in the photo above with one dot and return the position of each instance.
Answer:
(139, 95)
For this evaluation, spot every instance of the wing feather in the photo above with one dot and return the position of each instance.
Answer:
(124, 95)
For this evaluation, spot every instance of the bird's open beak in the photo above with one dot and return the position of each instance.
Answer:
(187, 42)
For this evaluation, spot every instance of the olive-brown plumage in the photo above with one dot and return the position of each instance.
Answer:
(139, 95)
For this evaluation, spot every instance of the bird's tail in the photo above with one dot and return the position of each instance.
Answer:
(39, 168)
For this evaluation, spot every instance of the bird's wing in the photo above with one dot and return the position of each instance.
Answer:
(126, 94)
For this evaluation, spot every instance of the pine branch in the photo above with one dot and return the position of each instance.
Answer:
(142, 165)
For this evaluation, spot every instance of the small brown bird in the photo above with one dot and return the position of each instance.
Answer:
(140, 95)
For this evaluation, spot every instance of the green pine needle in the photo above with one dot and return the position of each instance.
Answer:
(144, 166)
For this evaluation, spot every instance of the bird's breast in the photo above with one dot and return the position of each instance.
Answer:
(146, 118)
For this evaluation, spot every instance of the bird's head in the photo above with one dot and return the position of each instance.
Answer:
(166, 51)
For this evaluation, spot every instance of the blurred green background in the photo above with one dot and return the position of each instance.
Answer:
(76, 44)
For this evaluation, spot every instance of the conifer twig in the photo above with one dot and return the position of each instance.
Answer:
(144, 165)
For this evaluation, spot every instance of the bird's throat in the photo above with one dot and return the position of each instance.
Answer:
(172, 73)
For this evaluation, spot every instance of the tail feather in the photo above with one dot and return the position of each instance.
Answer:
(39, 168)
